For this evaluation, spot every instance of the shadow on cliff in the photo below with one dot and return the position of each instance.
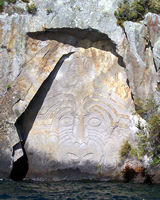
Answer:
(75, 37)
(85, 38)
(25, 122)
(46, 168)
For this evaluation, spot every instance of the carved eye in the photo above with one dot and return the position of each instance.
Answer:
(66, 120)
(94, 122)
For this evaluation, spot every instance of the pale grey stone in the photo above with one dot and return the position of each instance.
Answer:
(102, 66)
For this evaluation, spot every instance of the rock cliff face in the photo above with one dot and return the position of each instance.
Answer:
(69, 78)
(142, 56)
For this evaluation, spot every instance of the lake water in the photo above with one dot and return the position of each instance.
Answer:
(77, 190)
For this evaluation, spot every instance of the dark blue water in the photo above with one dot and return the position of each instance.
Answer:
(77, 191)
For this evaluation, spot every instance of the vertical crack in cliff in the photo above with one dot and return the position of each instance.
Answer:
(25, 122)
(20, 166)
(155, 65)
(132, 96)
(147, 46)
(154, 62)
(75, 37)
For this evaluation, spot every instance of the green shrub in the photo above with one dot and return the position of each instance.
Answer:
(146, 108)
(155, 161)
(99, 169)
(78, 8)
(49, 10)
(154, 6)
(2, 3)
(26, 1)
(31, 8)
(135, 11)
(149, 135)
(10, 1)
(8, 86)
(125, 150)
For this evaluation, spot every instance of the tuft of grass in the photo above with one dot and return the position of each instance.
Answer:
(145, 108)
(49, 11)
(125, 150)
(99, 169)
(2, 3)
(31, 8)
(78, 8)
(8, 86)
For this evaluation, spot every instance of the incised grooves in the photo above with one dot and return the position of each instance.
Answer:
(75, 37)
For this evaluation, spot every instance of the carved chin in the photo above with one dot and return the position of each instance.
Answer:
(80, 153)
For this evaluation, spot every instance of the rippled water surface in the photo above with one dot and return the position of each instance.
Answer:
(77, 190)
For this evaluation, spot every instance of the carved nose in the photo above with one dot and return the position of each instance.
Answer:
(78, 129)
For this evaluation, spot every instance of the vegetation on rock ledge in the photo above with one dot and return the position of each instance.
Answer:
(30, 8)
(148, 135)
(125, 150)
(2, 3)
(135, 11)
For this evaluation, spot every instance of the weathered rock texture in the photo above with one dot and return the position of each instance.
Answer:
(84, 113)
(142, 56)
(68, 79)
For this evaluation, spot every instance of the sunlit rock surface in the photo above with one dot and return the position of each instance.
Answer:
(83, 115)
(67, 78)
(142, 55)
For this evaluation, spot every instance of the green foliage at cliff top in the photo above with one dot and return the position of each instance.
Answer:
(135, 11)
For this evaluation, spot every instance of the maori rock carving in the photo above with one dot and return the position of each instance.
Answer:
(84, 117)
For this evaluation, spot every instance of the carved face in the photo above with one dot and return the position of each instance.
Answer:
(78, 117)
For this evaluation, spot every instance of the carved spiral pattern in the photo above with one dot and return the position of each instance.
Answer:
(82, 118)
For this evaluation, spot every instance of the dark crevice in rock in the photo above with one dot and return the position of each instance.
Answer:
(76, 37)
(16, 147)
(128, 82)
(25, 122)
(131, 175)
(138, 173)
(5, 47)
(155, 65)
(125, 33)
(149, 45)
(156, 68)
(132, 96)
(128, 174)
(71, 36)
(148, 179)
(20, 166)
(120, 61)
